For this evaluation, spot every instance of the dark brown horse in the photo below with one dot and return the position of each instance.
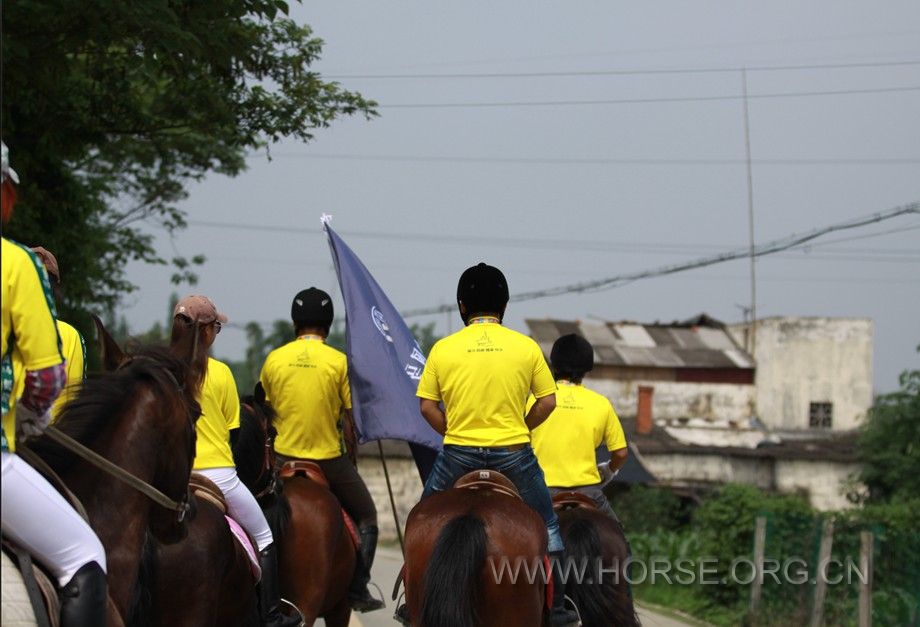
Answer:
(475, 557)
(316, 556)
(141, 416)
(597, 553)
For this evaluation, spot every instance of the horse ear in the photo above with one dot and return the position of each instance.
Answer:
(259, 393)
(112, 355)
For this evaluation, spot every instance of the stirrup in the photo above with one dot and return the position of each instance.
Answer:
(370, 597)
(401, 615)
(567, 600)
(297, 612)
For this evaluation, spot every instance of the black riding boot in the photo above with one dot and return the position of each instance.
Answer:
(83, 599)
(358, 594)
(269, 611)
(559, 616)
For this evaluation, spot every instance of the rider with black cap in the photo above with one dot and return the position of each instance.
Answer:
(483, 375)
(583, 419)
(306, 382)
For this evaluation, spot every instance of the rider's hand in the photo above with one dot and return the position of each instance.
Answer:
(29, 423)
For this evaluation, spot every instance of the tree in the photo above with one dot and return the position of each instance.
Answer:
(890, 443)
(111, 108)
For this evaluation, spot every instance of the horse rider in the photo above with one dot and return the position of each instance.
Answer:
(306, 382)
(220, 412)
(483, 375)
(582, 420)
(34, 515)
(73, 346)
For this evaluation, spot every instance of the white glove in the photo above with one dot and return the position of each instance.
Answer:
(605, 472)
(29, 423)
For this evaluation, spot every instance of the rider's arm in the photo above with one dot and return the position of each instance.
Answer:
(540, 411)
(431, 411)
(617, 459)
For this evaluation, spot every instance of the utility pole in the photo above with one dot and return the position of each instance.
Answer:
(750, 190)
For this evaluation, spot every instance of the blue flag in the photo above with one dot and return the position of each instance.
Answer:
(385, 361)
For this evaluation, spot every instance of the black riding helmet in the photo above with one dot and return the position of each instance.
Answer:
(312, 307)
(572, 356)
(482, 289)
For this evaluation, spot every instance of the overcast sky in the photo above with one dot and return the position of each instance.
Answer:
(586, 191)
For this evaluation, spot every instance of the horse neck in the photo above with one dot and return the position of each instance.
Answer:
(118, 513)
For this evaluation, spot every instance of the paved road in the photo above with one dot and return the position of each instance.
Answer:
(387, 566)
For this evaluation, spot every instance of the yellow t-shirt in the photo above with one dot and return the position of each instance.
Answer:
(566, 441)
(220, 412)
(28, 338)
(306, 382)
(74, 349)
(483, 374)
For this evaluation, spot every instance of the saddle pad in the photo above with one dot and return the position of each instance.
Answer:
(16, 608)
(246, 542)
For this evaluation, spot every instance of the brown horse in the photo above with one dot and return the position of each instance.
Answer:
(141, 416)
(595, 541)
(475, 557)
(316, 557)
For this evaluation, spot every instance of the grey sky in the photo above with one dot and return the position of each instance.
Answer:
(509, 177)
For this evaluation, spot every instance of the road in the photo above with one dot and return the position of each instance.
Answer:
(387, 566)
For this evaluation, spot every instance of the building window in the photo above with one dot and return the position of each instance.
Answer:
(820, 415)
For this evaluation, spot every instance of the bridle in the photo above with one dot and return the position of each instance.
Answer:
(182, 506)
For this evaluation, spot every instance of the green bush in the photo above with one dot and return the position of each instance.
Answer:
(643, 509)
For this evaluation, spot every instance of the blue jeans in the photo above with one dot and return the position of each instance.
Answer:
(520, 466)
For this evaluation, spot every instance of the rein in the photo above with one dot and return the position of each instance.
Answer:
(59, 437)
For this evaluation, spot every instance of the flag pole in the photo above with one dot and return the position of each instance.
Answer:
(386, 474)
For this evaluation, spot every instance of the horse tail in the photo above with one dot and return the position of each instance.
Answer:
(602, 598)
(451, 587)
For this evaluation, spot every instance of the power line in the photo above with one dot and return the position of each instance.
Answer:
(561, 103)
(774, 246)
(537, 244)
(620, 72)
(598, 160)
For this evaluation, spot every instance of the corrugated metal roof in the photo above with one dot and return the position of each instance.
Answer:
(697, 343)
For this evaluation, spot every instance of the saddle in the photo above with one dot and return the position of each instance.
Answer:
(572, 500)
(490, 480)
(29, 594)
(206, 490)
(312, 471)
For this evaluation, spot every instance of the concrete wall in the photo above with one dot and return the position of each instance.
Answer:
(672, 400)
(824, 483)
(806, 360)
(407, 488)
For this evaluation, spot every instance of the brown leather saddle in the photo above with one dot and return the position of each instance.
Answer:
(206, 490)
(572, 500)
(313, 472)
(490, 480)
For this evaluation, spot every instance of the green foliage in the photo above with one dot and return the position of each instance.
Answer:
(645, 509)
(723, 529)
(111, 108)
(890, 443)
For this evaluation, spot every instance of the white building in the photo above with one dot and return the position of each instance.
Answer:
(812, 373)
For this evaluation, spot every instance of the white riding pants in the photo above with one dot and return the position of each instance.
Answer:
(36, 517)
(241, 504)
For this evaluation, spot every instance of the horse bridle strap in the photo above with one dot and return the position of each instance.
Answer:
(61, 438)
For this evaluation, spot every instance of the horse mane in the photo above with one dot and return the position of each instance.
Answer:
(451, 588)
(105, 395)
(248, 454)
(601, 602)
